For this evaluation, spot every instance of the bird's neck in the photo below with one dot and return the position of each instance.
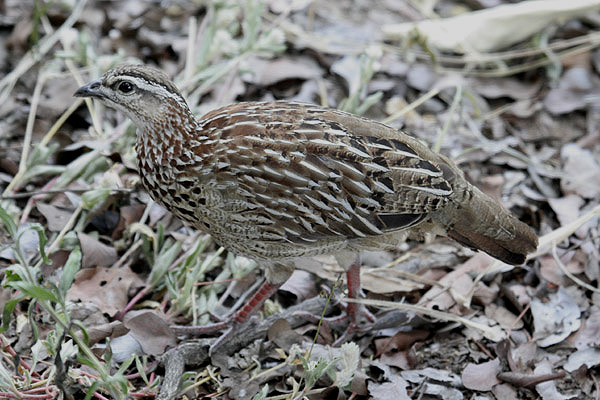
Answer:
(164, 138)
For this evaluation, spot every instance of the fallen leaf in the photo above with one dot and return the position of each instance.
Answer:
(394, 389)
(270, 72)
(492, 29)
(481, 377)
(95, 253)
(150, 330)
(107, 288)
(301, 284)
(582, 172)
(282, 334)
(554, 318)
(505, 318)
(589, 357)
(124, 347)
(589, 333)
(56, 217)
(547, 390)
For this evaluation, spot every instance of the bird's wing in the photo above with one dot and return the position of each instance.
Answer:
(315, 173)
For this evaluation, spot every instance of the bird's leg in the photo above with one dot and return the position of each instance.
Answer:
(354, 310)
(229, 325)
(265, 291)
(350, 262)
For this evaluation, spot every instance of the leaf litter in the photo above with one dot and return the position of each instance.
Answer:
(523, 125)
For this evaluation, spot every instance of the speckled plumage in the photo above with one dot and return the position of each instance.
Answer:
(279, 180)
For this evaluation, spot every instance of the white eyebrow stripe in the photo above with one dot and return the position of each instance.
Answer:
(152, 87)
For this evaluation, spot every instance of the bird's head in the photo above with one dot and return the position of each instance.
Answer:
(144, 94)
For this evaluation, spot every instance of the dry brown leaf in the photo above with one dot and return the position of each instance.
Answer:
(56, 217)
(550, 271)
(107, 288)
(95, 253)
(150, 330)
(282, 334)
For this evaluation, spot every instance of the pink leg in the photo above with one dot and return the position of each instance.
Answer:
(265, 291)
(353, 311)
(353, 281)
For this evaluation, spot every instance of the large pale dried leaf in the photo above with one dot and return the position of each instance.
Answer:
(494, 332)
(505, 392)
(566, 208)
(550, 271)
(492, 29)
(573, 91)
(421, 77)
(588, 357)
(548, 390)
(124, 347)
(434, 374)
(348, 67)
(582, 172)
(589, 333)
(481, 377)
(285, 6)
(394, 389)
(518, 89)
(108, 288)
(525, 353)
(301, 284)
(29, 242)
(505, 318)
(555, 317)
(459, 281)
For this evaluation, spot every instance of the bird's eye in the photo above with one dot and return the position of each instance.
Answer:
(125, 87)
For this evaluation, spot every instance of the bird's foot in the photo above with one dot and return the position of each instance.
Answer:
(355, 316)
(227, 326)
(231, 324)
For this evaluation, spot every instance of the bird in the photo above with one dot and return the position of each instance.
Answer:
(276, 181)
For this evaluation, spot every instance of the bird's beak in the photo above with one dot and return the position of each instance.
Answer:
(92, 89)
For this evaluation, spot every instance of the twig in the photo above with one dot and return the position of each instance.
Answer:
(54, 191)
(35, 98)
(433, 92)
(432, 313)
(560, 234)
(442, 133)
(569, 274)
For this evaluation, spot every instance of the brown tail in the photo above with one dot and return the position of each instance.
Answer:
(483, 224)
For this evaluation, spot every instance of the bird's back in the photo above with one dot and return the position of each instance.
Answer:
(282, 179)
